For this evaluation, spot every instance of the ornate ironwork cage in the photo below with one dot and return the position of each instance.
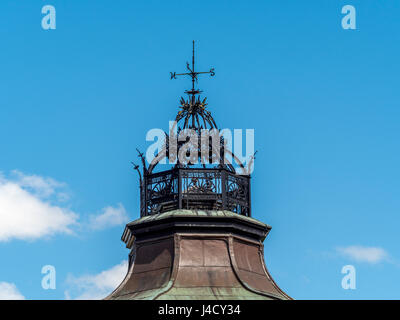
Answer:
(195, 188)
(219, 187)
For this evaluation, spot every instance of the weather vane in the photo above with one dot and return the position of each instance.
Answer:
(193, 75)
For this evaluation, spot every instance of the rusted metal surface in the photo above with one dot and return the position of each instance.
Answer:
(223, 259)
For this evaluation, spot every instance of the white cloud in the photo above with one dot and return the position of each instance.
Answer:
(109, 217)
(8, 291)
(42, 187)
(364, 254)
(32, 207)
(29, 210)
(98, 286)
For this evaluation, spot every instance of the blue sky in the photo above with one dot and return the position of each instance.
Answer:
(324, 103)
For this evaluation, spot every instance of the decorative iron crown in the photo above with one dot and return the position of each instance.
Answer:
(208, 187)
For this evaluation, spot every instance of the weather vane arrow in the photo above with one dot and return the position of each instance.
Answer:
(193, 74)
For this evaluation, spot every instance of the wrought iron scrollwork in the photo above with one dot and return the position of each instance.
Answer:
(197, 188)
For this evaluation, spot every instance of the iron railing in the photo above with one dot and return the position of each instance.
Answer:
(195, 188)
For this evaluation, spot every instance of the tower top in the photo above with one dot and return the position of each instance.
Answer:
(193, 218)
